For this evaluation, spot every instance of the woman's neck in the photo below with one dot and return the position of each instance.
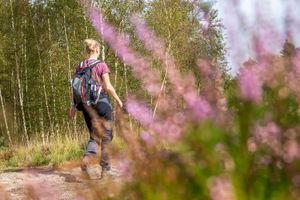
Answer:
(95, 57)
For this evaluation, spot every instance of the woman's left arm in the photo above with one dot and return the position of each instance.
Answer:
(110, 89)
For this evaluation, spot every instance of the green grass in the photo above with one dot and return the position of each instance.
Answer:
(37, 154)
(59, 150)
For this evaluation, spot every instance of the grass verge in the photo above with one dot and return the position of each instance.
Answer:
(57, 151)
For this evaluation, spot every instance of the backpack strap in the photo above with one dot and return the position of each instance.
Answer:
(93, 64)
(81, 64)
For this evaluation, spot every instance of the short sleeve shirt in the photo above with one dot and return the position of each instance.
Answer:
(98, 70)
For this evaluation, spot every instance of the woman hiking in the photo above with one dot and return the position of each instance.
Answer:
(98, 111)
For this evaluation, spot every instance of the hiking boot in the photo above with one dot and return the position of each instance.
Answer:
(90, 172)
(109, 172)
(85, 175)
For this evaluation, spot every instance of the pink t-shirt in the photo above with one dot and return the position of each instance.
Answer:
(98, 70)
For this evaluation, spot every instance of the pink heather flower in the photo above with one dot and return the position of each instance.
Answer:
(147, 138)
(169, 130)
(291, 151)
(40, 189)
(199, 106)
(220, 188)
(269, 132)
(269, 135)
(252, 146)
(121, 45)
(296, 62)
(202, 109)
(250, 85)
(204, 67)
(180, 83)
(151, 42)
(124, 167)
(166, 129)
(139, 111)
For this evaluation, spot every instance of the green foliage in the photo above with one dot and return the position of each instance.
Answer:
(37, 154)
(2, 143)
(41, 42)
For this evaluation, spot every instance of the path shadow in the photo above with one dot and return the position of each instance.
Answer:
(69, 177)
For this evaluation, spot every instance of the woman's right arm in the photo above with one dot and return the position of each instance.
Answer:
(110, 89)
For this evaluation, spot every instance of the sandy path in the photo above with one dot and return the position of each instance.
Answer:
(46, 183)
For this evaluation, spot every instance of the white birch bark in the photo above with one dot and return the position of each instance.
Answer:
(52, 80)
(25, 84)
(162, 89)
(69, 68)
(5, 119)
(85, 25)
(18, 74)
(126, 91)
(43, 80)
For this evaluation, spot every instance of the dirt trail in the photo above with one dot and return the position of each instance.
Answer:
(46, 183)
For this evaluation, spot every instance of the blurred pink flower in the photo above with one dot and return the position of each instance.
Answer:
(139, 111)
(198, 105)
(166, 129)
(291, 151)
(251, 144)
(296, 62)
(40, 189)
(170, 131)
(269, 135)
(250, 85)
(123, 166)
(151, 42)
(121, 45)
(147, 138)
(202, 109)
(220, 188)
(204, 67)
(266, 133)
(181, 84)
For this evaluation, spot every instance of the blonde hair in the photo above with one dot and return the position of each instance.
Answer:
(90, 45)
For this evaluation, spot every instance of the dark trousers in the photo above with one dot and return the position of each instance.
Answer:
(98, 119)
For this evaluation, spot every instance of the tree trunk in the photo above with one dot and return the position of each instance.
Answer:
(43, 76)
(15, 106)
(52, 80)
(69, 69)
(18, 73)
(5, 119)
(41, 120)
(162, 89)
(85, 25)
(126, 94)
(25, 83)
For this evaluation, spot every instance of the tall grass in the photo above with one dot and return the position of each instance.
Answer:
(37, 154)
(235, 139)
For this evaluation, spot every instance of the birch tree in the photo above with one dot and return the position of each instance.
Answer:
(5, 118)
(18, 73)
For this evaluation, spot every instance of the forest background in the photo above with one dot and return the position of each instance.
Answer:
(191, 131)
(42, 42)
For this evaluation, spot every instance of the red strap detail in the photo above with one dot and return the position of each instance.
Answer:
(82, 92)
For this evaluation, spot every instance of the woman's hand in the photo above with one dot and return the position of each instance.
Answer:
(120, 103)
(72, 112)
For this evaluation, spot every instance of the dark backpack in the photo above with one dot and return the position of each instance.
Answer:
(85, 88)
